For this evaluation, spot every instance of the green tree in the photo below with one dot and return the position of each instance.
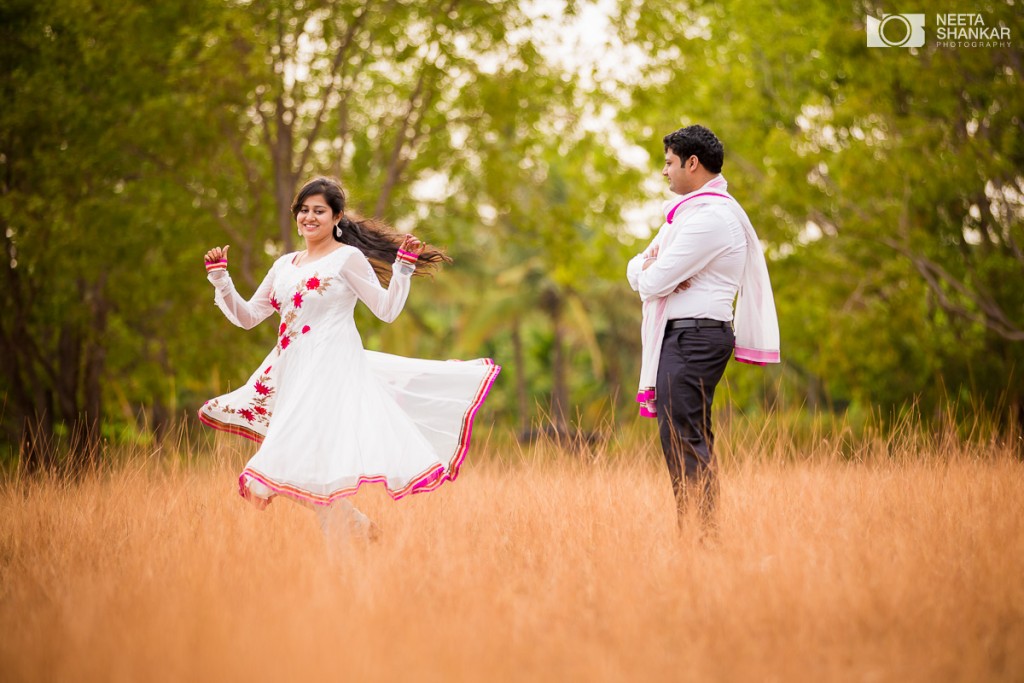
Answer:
(75, 239)
(885, 182)
(541, 197)
(139, 136)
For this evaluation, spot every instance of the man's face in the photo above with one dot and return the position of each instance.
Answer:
(680, 176)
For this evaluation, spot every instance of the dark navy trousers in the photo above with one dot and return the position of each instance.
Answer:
(692, 363)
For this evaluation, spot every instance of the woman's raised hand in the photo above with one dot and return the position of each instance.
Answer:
(412, 245)
(218, 254)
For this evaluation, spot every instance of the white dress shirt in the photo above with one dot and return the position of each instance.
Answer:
(708, 247)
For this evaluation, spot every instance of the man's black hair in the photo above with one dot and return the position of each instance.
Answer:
(700, 142)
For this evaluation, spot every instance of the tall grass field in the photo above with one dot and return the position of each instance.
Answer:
(898, 556)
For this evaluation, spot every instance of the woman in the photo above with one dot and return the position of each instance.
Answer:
(330, 416)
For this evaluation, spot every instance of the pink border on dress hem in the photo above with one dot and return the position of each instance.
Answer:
(428, 481)
(455, 464)
(238, 430)
(304, 496)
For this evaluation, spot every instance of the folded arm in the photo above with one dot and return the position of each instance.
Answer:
(690, 249)
(636, 264)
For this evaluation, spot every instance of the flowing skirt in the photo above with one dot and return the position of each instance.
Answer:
(329, 422)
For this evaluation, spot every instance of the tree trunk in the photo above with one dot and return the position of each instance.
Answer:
(69, 365)
(160, 412)
(36, 448)
(559, 386)
(522, 404)
(1018, 429)
(95, 362)
(284, 190)
(281, 153)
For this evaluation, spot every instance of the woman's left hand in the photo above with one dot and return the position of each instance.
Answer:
(412, 245)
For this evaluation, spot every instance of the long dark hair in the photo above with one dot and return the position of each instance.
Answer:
(378, 241)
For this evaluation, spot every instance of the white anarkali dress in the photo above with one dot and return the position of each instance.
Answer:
(329, 415)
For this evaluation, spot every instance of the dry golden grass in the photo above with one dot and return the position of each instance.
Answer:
(538, 566)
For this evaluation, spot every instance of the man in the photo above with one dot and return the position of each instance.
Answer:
(704, 254)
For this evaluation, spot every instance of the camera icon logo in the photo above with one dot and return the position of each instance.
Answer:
(896, 30)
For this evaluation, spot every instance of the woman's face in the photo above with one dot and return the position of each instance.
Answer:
(315, 218)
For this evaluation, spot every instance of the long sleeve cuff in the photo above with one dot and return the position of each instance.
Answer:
(219, 278)
(405, 262)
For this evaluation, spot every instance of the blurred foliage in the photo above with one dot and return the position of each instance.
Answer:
(885, 183)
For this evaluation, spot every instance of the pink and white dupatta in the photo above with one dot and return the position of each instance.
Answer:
(756, 322)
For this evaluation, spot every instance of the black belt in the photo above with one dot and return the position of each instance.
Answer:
(696, 323)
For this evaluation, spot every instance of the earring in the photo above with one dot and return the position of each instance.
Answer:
(337, 230)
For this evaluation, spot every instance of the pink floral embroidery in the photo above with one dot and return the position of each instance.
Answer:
(275, 303)
(289, 329)
(256, 412)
